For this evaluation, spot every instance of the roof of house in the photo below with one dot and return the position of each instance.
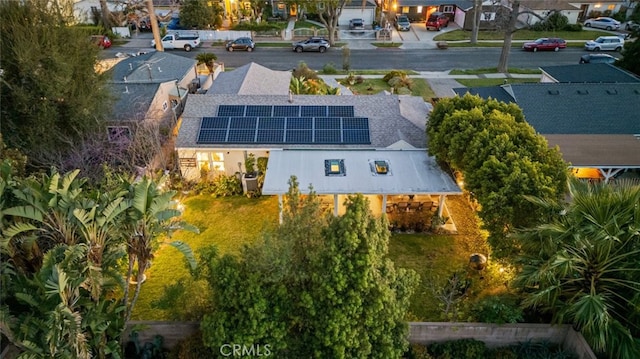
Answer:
(408, 172)
(251, 79)
(462, 4)
(593, 124)
(357, 4)
(132, 100)
(393, 120)
(152, 67)
(604, 73)
(548, 5)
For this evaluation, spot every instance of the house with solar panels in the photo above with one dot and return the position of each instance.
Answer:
(340, 145)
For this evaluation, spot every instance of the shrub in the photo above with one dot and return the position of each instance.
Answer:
(463, 348)
(304, 71)
(346, 58)
(329, 69)
(226, 186)
(498, 309)
(417, 351)
(554, 22)
(573, 27)
(394, 73)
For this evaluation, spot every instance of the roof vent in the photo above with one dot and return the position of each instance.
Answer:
(582, 92)
(612, 92)
(553, 92)
(334, 168)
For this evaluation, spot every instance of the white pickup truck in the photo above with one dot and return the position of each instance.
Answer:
(186, 41)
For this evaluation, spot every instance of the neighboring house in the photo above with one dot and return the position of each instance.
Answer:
(586, 7)
(419, 10)
(594, 73)
(595, 125)
(545, 7)
(251, 79)
(151, 87)
(354, 9)
(83, 10)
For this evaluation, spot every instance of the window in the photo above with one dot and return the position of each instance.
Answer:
(118, 133)
(210, 161)
(611, 7)
(488, 16)
(419, 9)
(334, 167)
(405, 9)
(447, 8)
(380, 167)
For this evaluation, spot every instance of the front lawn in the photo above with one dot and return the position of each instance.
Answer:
(372, 86)
(458, 35)
(230, 223)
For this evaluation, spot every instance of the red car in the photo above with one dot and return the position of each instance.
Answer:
(101, 41)
(437, 21)
(545, 43)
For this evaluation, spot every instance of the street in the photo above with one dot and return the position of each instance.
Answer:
(384, 58)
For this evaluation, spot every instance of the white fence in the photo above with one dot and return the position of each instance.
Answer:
(226, 35)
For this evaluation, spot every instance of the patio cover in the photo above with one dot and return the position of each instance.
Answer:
(410, 172)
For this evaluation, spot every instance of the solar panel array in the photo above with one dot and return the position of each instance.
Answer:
(285, 124)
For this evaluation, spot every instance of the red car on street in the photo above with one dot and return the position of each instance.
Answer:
(101, 41)
(545, 44)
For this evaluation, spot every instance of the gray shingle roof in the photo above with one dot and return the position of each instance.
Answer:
(605, 73)
(251, 79)
(494, 92)
(387, 125)
(572, 108)
(132, 100)
(548, 5)
(152, 67)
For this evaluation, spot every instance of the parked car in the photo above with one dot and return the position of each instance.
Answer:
(356, 24)
(186, 41)
(101, 41)
(605, 43)
(241, 43)
(606, 23)
(311, 44)
(597, 59)
(403, 23)
(545, 43)
(437, 21)
(632, 26)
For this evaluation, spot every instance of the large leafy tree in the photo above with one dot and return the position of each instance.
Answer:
(318, 287)
(581, 265)
(51, 95)
(328, 11)
(631, 55)
(200, 14)
(501, 158)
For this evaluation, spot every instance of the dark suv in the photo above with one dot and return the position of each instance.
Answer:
(437, 20)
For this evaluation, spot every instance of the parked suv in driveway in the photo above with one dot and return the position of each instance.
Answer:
(356, 24)
(311, 44)
(403, 23)
(605, 43)
(437, 20)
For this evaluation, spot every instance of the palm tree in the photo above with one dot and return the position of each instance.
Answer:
(207, 58)
(582, 266)
(152, 215)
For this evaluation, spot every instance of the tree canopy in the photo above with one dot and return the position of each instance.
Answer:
(581, 265)
(501, 159)
(50, 92)
(318, 287)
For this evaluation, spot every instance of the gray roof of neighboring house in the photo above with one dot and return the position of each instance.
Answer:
(598, 150)
(132, 100)
(353, 4)
(573, 108)
(549, 4)
(251, 79)
(391, 122)
(494, 92)
(152, 67)
(410, 171)
(604, 73)
(462, 4)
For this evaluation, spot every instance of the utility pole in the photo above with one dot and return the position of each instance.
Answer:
(154, 25)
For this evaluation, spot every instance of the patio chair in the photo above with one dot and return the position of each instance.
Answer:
(403, 206)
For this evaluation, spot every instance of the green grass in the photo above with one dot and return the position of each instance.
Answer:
(493, 70)
(229, 223)
(458, 35)
(515, 44)
(386, 44)
(494, 82)
(364, 72)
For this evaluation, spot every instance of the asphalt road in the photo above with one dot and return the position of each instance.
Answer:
(388, 58)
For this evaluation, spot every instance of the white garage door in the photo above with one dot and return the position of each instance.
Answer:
(348, 14)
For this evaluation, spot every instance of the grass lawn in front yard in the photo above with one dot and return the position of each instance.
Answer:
(372, 86)
(230, 223)
(457, 35)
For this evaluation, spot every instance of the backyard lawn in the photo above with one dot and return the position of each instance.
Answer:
(229, 223)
